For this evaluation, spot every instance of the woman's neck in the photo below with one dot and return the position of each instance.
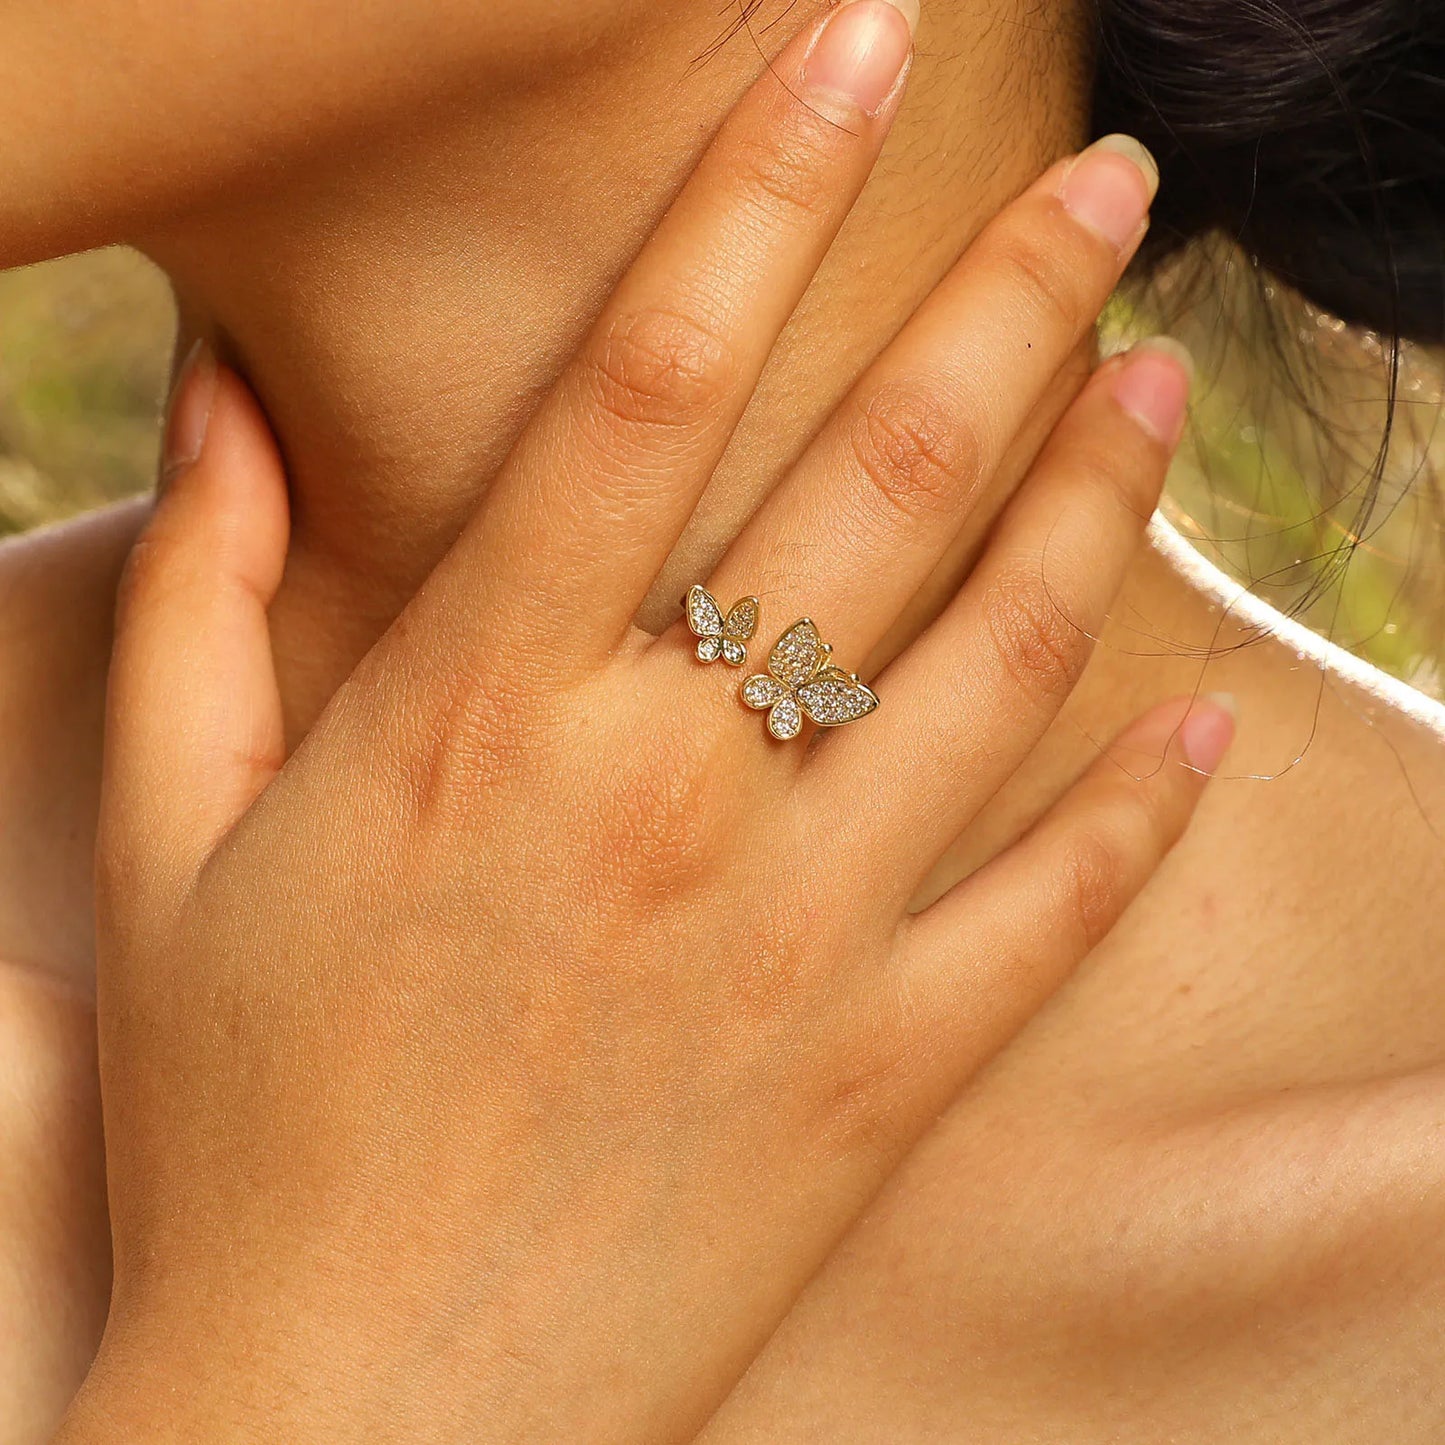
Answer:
(401, 305)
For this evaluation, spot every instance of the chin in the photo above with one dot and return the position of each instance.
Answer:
(172, 107)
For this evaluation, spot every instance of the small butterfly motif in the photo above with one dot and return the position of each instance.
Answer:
(801, 681)
(722, 637)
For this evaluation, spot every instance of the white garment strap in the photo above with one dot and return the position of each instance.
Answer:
(1242, 604)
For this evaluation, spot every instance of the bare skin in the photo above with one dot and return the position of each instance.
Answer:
(1199, 1197)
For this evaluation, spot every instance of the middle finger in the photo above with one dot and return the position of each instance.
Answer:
(878, 498)
(604, 478)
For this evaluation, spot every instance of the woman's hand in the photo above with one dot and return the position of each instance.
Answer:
(502, 1064)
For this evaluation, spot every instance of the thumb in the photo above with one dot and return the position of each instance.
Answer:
(194, 726)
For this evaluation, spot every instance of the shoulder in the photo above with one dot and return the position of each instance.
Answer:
(57, 594)
(54, 1234)
(57, 590)
(57, 584)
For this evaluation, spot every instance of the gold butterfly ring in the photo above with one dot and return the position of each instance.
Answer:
(801, 681)
(719, 636)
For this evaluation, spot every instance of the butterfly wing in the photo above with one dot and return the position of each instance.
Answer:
(740, 625)
(798, 654)
(761, 691)
(785, 718)
(785, 721)
(704, 616)
(742, 621)
(835, 697)
(705, 619)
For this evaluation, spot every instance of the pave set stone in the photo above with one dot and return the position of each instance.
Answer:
(785, 721)
(833, 701)
(802, 682)
(719, 636)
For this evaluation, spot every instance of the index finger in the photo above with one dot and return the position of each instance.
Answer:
(596, 493)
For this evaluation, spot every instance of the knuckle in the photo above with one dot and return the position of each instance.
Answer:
(1115, 472)
(913, 451)
(791, 180)
(1096, 875)
(476, 734)
(656, 368)
(1104, 473)
(780, 951)
(872, 1089)
(771, 983)
(657, 829)
(143, 575)
(1036, 643)
(1048, 275)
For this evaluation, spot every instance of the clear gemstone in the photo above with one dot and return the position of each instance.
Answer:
(786, 719)
(743, 619)
(709, 649)
(762, 691)
(835, 701)
(797, 654)
(704, 616)
(734, 652)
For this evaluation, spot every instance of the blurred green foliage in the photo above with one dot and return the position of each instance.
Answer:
(84, 356)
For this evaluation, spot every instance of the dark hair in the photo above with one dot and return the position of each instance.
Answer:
(1311, 131)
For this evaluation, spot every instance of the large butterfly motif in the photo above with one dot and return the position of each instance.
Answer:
(800, 681)
(722, 637)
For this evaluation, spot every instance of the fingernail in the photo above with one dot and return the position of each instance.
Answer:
(862, 50)
(1153, 386)
(1110, 188)
(189, 412)
(1209, 730)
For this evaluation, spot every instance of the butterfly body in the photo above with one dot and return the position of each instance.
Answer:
(801, 681)
(719, 636)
